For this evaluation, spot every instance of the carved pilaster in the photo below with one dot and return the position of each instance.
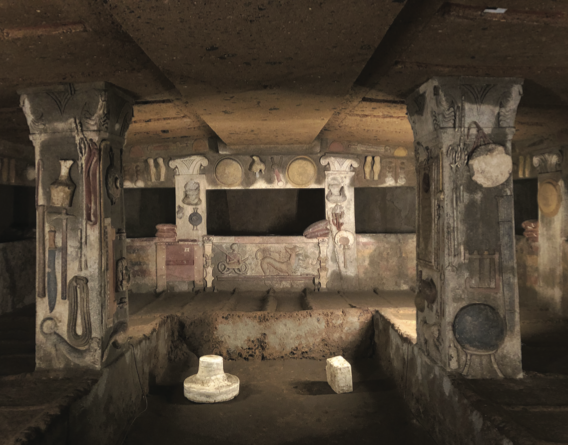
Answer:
(208, 261)
(552, 217)
(340, 211)
(78, 131)
(191, 203)
(467, 297)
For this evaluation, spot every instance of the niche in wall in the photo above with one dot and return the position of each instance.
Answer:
(263, 212)
(147, 207)
(18, 220)
(525, 193)
(385, 210)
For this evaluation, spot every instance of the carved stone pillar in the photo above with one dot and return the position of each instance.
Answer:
(82, 276)
(467, 298)
(191, 202)
(340, 212)
(552, 232)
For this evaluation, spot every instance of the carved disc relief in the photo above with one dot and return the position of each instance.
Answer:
(229, 172)
(302, 171)
(479, 328)
(549, 198)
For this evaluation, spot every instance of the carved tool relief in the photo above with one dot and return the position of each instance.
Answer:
(322, 260)
(51, 270)
(276, 167)
(345, 240)
(122, 275)
(78, 309)
(113, 175)
(208, 261)
(337, 215)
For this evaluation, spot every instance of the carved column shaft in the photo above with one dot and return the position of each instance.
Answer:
(467, 298)
(82, 289)
(340, 212)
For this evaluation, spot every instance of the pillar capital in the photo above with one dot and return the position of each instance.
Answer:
(342, 164)
(69, 108)
(548, 162)
(449, 103)
(190, 165)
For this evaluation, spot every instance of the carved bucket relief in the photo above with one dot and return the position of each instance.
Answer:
(479, 330)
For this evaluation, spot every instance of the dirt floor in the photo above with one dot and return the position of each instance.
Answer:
(283, 402)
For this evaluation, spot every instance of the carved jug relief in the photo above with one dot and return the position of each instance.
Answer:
(63, 189)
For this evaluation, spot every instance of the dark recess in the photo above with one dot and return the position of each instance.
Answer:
(263, 212)
(385, 210)
(147, 207)
(18, 219)
(525, 200)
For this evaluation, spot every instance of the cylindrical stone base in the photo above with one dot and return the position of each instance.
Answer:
(211, 384)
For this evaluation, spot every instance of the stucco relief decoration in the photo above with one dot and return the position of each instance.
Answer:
(234, 262)
(336, 193)
(122, 275)
(229, 172)
(272, 266)
(188, 166)
(87, 356)
(340, 164)
(508, 104)
(489, 164)
(346, 240)
(257, 166)
(372, 168)
(548, 162)
(63, 188)
(301, 171)
(480, 331)
(192, 192)
(549, 198)
(337, 215)
(276, 166)
(195, 218)
(445, 116)
(113, 178)
(99, 119)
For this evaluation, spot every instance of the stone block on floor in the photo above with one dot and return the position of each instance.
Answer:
(338, 372)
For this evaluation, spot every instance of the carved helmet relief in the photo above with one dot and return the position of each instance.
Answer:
(336, 193)
(192, 192)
